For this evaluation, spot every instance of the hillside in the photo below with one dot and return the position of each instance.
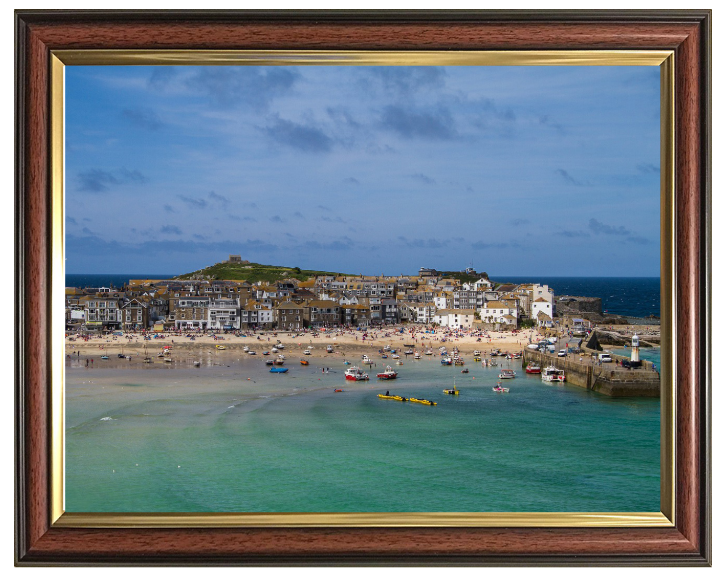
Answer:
(251, 272)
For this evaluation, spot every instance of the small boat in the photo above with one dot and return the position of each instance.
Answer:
(280, 346)
(459, 362)
(399, 363)
(417, 356)
(464, 371)
(395, 356)
(219, 346)
(246, 349)
(383, 356)
(121, 355)
(266, 353)
(347, 362)
(552, 374)
(338, 390)
(389, 374)
(278, 370)
(506, 373)
(533, 369)
(477, 359)
(252, 353)
(104, 358)
(428, 352)
(452, 391)
(196, 363)
(477, 353)
(354, 373)
(329, 348)
(278, 361)
(366, 359)
(423, 401)
(281, 356)
(148, 360)
(387, 397)
(306, 352)
(274, 350)
(168, 359)
(498, 388)
(517, 356)
(408, 352)
(445, 361)
(304, 362)
(269, 362)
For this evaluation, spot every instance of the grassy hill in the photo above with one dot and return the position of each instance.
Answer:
(463, 276)
(252, 272)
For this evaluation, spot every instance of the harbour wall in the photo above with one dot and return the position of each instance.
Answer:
(607, 378)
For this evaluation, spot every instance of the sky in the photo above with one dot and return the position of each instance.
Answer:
(517, 171)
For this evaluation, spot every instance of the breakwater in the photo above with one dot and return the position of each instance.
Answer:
(607, 378)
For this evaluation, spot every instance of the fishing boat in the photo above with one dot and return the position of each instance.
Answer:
(417, 356)
(428, 352)
(498, 388)
(269, 361)
(304, 362)
(395, 356)
(389, 374)
(280, 346)
(276, 370)
(552, 374)
(445, 361)
(517, 356)
(506, 373)
(266, 353)
(391, 397)
(278, 361)
(464, 371)
(355, 373)
(459, 362)
(219, 346)
(366, 359)
(274, 350)
(477, 353)
(423, 401)
(168, 359)
(338, 390)
(246, 349)
(252, 353)
(196, 363)
(533, 369)
(452, 391)
(306, 352)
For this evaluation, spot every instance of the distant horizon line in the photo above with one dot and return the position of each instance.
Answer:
(155, 275)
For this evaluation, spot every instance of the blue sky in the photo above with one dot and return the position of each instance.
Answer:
(548, 171)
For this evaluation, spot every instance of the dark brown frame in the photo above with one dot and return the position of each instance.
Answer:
(687, 33)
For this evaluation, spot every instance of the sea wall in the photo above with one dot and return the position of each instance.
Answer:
(607, 378)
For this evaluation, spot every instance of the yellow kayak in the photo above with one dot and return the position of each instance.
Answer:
(399, 398)
(219, 346)
(423, 401)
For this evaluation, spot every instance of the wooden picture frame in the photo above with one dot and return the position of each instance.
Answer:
(39, 33)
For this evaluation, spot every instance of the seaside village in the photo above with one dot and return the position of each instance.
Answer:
(319, 302)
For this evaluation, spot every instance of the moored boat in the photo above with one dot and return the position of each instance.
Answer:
(445, 361)
(533, 369)
(552, 374)
(366, 359)
(355, 373)
(506, 373)
(304, 362)
(329, 348)
(276, 370)
(498, 388)
(389, 374)
(423, 401)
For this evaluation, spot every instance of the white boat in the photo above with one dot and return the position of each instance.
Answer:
(500, 389)
(281, 356)
(389, 374)
(417, 356)
(252, 353)
(246, 349)
(395, 356)
(329, 348)
(532, 346)
(428, 352)
(507, 373)
(355, 373)
(477, 353)
(274, 350)
(196, 363)
(280, 346)
(366, 359)
(552, 374)
(307, 352)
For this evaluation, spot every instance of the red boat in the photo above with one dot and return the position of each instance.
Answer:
(389, 374)
(533, 369)
(355, 373)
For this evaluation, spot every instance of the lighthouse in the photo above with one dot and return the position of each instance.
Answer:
(635, 351)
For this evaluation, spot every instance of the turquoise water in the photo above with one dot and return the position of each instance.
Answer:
(649, 354)
(235, 438)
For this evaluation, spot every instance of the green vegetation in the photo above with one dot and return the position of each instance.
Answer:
(252, 272)
(464, 276)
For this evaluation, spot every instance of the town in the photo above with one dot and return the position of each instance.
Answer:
(322, 301)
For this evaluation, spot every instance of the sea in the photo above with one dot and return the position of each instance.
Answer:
(231, 437)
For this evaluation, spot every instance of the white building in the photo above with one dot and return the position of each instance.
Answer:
(496, 312)
(454, 318)
(224, 314)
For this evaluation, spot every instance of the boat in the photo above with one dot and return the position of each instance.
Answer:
(276, 370)
(533, 369)
(281, 356)
(252, 353)
(246, 349)
(168, 359)
(477, 359)
(338, 390)
(552, 374)
(532, 346)
(354, 373)
(278, 361)
(423, 401)
(390, 397)
(464, 371)
(304, 362)
(445, 361)
(498, 388)
(366, 359)
(452, 391)
(428, 352)
(121, 355)
(104, 358)
(266, 353)
(477, 353)
(389, 374)
(148, 360)
(307, 352)
(196, 363)
(269, 362)
(347, 362)
(408, 352)
(506, 373)
(329, 348)
(383, 356)
(399, 363)
(280, 346)
(517, 356)
(274, 350)
(417, 356)
(219, 346)
(459, 362)
(395, 356)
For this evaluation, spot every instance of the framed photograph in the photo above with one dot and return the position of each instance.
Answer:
(362, 288)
